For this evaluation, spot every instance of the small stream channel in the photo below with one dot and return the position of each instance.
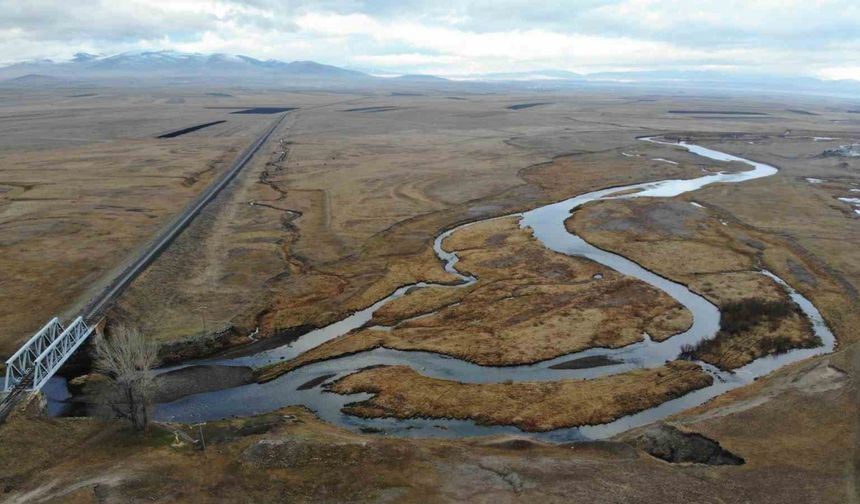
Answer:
(547, 224)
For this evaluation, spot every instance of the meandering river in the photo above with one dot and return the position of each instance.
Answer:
(547, 224)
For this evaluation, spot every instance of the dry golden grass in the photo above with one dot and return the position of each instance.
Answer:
(374, 189)
(568, 176)
(731, 351)
(95, 461)
(289, 455)
(664, 235)
(529, 304)
(84, 211)
(721, 262)
(727, 287)
(369, 198)
(401, 392)
(419, 302)
(422, 266)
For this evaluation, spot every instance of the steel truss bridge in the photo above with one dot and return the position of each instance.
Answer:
(43, 354)
(30, 368)
(36, 362)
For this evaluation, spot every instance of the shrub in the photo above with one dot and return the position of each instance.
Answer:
(741, 316)
(775, 344)
(688, 351)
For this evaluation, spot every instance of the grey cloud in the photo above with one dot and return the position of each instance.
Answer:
(95, 20)
(823, 33)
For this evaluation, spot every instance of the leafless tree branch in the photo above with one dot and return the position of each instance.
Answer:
(127, 357)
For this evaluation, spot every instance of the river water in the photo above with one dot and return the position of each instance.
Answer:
(547, 224)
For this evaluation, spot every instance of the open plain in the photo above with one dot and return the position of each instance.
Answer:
(341, 209)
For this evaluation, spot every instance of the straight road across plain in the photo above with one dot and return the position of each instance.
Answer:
(95, 308)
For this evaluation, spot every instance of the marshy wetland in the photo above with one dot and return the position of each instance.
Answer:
(439, 392)
(423, 292)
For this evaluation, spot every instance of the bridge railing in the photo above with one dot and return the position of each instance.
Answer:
(53, 357)
(23, 360)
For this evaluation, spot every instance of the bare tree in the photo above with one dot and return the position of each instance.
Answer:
(127, 358)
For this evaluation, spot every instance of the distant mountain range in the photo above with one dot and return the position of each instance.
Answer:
(536, 75)
(172, 67)
(677, 79)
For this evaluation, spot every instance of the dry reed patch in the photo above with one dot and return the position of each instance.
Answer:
(722, 262)
(401, 392)
(752, 328)
(529, 304)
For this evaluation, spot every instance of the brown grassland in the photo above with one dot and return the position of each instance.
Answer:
(401, 392)
(290, 455)
(341, 209)
(721, 261)
(530, 304)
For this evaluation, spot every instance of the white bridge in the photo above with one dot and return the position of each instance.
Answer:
(43, 355)
(36, 362)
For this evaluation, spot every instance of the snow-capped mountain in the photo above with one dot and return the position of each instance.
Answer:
(176, 65)
(173, 67)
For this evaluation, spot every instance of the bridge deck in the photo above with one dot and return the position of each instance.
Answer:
(45, 353)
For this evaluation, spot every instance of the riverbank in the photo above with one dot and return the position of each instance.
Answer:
(401, 392)
(551, 305)
(291, 454)
(548, 224)
(723, 262)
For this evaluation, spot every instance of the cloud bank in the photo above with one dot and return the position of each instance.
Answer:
(444, 37)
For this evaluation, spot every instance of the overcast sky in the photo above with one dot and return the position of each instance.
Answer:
(448, 37)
